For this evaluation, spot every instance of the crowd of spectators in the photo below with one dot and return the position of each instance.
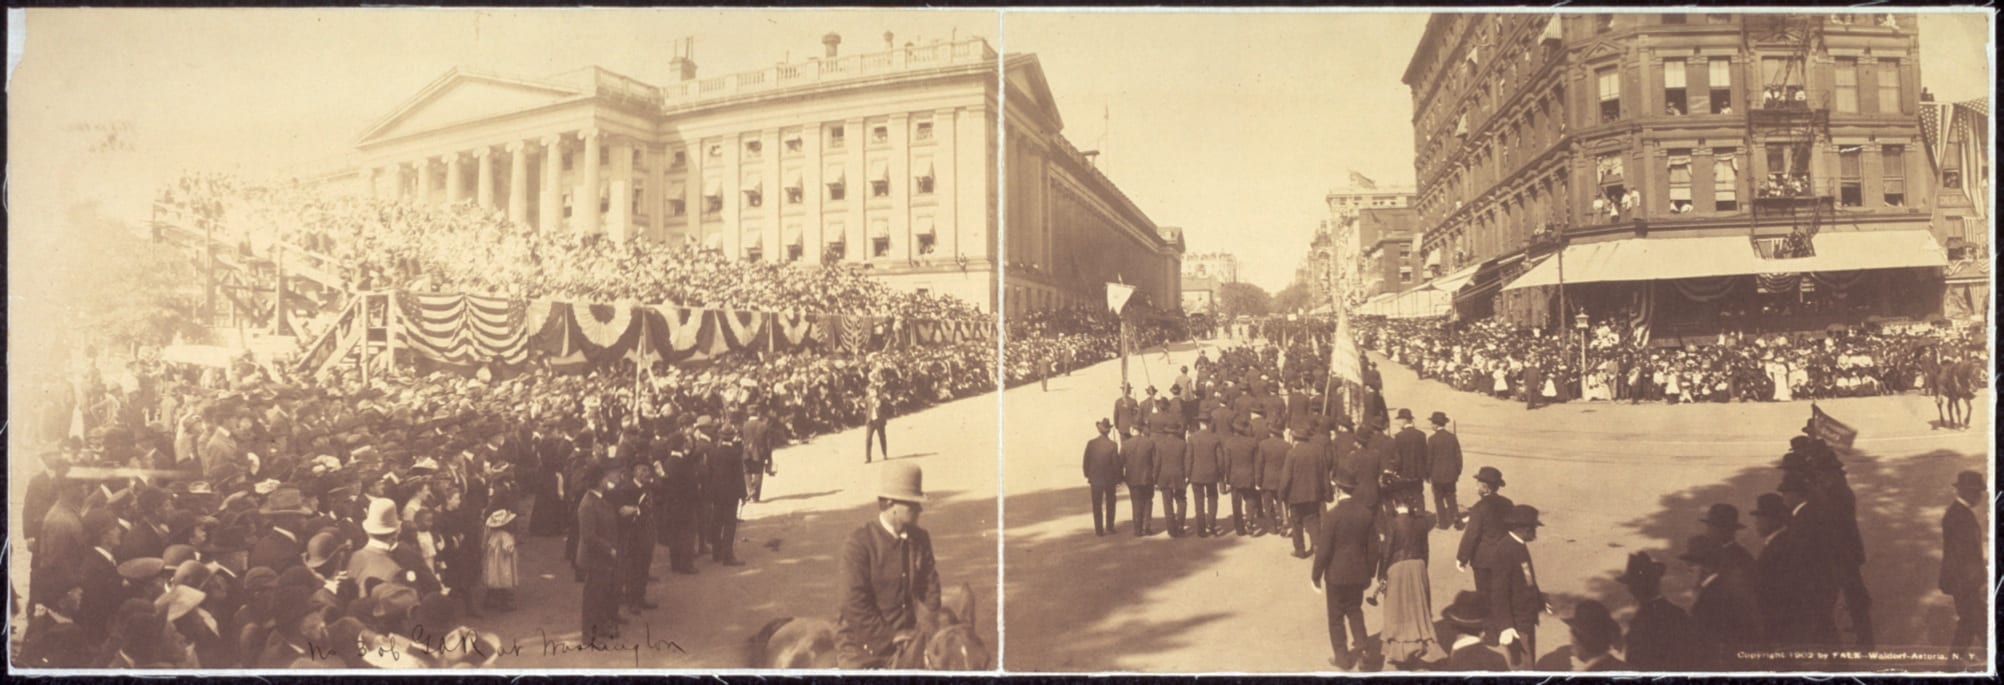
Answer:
(381, 244)
(1491, 357)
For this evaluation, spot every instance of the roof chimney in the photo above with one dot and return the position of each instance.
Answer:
(831, 42)
(682, 65)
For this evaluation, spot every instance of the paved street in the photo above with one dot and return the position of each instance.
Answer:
(791, 545)
(1609, 479)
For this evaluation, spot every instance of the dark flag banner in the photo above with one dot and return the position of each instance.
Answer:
(1829, 429)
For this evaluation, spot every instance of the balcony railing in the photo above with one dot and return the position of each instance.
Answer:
(968, 51)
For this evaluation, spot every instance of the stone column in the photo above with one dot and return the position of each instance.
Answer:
(584, 201)
(901, 187)
(518, 182)
(619, 215)
(424, 182)
(483, 191)
(398, 190)
(455, 187)
(856, 226)
(946, 220)
(375, 178)
(550, 207)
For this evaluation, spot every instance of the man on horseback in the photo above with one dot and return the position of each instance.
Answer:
(887, 575)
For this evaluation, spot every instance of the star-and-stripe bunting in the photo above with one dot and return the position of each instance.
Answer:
(465, 329)
(469, 330)
(1934, 118)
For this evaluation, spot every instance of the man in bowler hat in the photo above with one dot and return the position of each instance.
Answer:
(1485, 530)
(1102, 473)
(1962, 571)
(1443, 451)
(1515, 601)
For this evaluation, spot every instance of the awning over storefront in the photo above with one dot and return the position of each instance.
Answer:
(1661, 259)
(1420, 303)
(1448, 283)
(1378, 305)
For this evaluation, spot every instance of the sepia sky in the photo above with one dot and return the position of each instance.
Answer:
(1232, 124)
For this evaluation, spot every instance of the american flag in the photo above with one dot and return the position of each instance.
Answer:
(1933, 118)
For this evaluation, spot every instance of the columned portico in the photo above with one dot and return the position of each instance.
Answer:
(549, 215)
(585, 200)
(518, 182)
(455, 179)
(424, 182)
(483, 192)
(619, 214)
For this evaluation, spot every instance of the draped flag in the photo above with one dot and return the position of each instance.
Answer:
(1644, 313)
(466, 329)
(1343, 358)
(1829, 429)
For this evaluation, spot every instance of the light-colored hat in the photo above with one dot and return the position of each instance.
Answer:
(902, 482)
(500, 518)
(382, 518)
(178, 601)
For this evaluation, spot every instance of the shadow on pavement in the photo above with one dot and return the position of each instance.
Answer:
(1900, 502)
(1075, 600)
(792, 568)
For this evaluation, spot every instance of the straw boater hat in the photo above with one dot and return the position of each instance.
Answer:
(903, 483)
(500, 518)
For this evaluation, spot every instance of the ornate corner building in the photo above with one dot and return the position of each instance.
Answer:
(1637, 157)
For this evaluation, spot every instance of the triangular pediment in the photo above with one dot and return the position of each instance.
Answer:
(461, 96)
(1026, 75)
(1602, 48)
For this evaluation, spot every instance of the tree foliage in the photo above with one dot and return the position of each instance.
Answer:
(1296, 297)
(125, 289)
(1243, 299)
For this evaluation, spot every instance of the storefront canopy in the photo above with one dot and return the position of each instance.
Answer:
(1420, 303)
(1448, 283)
(1662, 259)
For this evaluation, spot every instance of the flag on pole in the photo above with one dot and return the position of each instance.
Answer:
(1117, 295)
(1343, 357)
(1828, 429)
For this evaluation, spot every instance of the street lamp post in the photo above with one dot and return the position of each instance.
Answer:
(1580, 324)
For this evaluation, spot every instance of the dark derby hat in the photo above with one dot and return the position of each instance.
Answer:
(1723, 515)
(1490, 475)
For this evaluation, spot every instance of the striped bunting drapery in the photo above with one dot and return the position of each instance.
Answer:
(466, 329)
(463, 330)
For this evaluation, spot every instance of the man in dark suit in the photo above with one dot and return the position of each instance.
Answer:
(1534, 385)
(1723, 620)
(1962, 570)
(1367, 463)
(1486, 529)
(1345, 562)
(1207, 468)
(280, 549)
(1242, 477)
(1126, 413)
(1659, 635)
(1818, 559)
(1515, 600)
(1272, 471)
(598, 555)
(103, 587)
(1443, 451)
(1102, 473)
(1409, 463)
(723, 489)
(1137, 458)
(638, 507)
(759, 440)
(1145, 414)
(1305, 483)
(1784, 577)
(681, 494)
(1594, 634)
(1465, 619)
(1172, 474)
(1300, 416)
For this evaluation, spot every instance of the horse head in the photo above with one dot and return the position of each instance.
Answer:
(953, 643)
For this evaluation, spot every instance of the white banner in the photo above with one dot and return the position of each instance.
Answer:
(1117, 295)
(1343, 353)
